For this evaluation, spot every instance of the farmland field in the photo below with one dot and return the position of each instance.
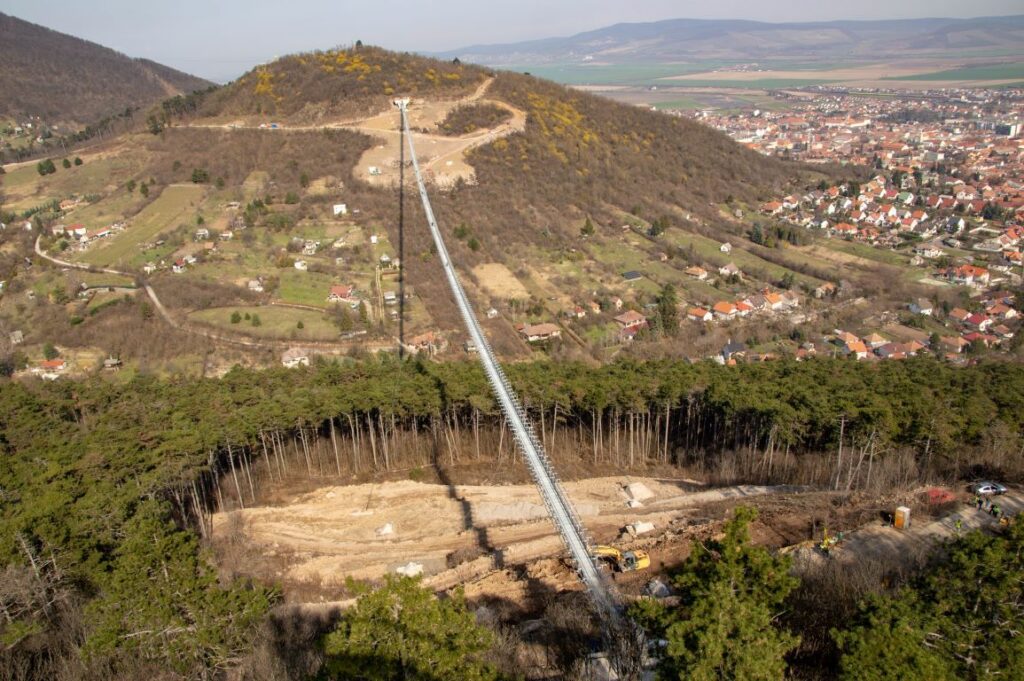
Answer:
(174, 206)
(101, 279)
(862, 253)
(499, 281)
(26, 188)
(613, 74)
(109, 209)
(708, 248)
(1005, 71)
(275, 322)
(305, 288)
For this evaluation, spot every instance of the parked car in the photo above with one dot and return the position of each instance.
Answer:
(986, 487)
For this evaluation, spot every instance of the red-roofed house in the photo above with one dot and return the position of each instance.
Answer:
(698, 314)
(631, 319)
(967, 275)
(978, 321)
(724, 310)
(341, 293)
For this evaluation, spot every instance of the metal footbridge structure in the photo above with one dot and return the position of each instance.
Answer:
(567, 521)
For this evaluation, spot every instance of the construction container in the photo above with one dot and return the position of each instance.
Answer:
(902, 518)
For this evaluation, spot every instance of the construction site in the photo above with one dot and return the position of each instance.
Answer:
(498, 542)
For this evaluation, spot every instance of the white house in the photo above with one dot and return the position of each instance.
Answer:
(340, 209)
(922, 306)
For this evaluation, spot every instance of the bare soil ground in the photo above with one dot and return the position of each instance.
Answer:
(880, 542)
(496, 540)
(442, 158)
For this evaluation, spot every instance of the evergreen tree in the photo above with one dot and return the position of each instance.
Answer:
(668, 310)
(162, 603)
(588, 228)
(756, 235)
(724, 627)
(963, 620)
(889, 644)
(402, 631)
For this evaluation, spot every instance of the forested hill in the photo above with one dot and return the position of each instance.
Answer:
(582, 154)
(64, 79)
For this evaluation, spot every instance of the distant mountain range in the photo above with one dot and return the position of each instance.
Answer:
(698, 39)
(66, 79)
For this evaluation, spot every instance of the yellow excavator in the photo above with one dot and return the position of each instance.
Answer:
(624, 561)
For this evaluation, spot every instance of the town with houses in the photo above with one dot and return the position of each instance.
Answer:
(947, 191)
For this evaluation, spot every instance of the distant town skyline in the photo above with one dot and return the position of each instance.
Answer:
(221, 40)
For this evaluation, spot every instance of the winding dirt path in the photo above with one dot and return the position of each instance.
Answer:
(443, 157)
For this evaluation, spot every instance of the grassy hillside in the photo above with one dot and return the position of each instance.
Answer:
(65, 79)
(519, 223)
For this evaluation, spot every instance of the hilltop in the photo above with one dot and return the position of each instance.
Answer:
(700, 39)
(339, 83)
(64, 79)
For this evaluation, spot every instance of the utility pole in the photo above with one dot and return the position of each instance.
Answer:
(401, 104)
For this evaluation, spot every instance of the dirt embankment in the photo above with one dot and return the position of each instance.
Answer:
(497, 542)
(455, 532)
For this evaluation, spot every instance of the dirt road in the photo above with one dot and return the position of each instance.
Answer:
(443, 156)
(886, 545)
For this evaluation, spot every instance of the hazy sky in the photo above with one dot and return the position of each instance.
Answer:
(220, 39)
